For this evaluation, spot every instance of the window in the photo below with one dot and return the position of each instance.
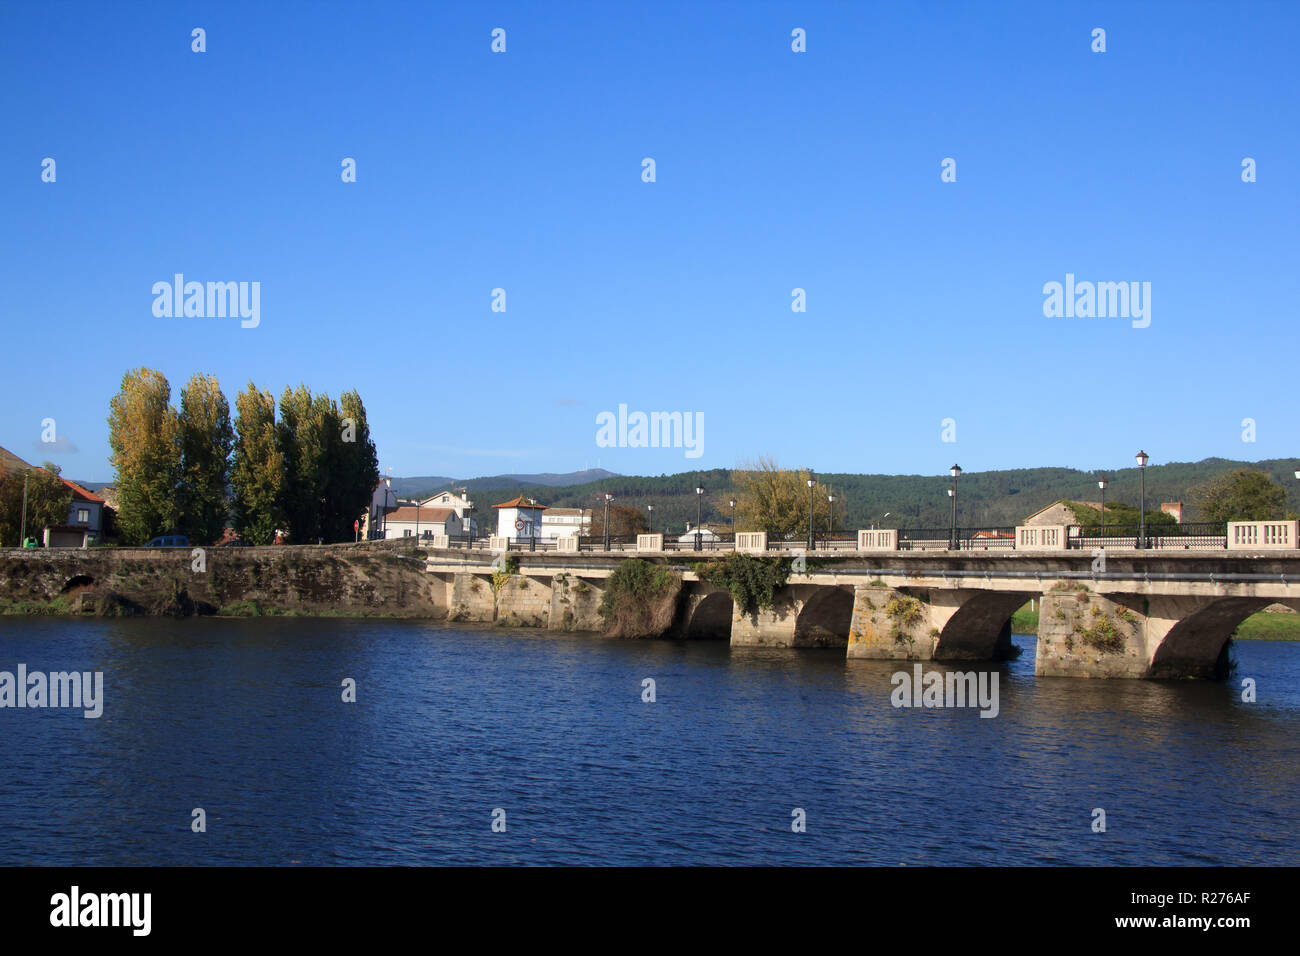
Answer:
(83, 516)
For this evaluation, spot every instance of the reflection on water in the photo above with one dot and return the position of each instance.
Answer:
(245, 719)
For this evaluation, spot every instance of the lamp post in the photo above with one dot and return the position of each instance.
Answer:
(699, 504)
(651, 519)
(830, 518)
(955, 470)
(732, 502)
(812, 483)
(608, 499)
(1101, 483)
(1142, 459)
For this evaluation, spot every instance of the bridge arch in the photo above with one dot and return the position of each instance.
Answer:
(825, 618)
(1197, 644)
(980, 629)
(711, 619)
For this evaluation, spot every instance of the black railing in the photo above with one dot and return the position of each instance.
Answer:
(963, 539)
(1200, 536)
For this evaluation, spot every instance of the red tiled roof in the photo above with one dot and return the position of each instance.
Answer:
(520, 502)
(80, 492)
(431, 515)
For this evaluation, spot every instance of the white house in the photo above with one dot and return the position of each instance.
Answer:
(519, 518)
(418, 521)
(561, 522)
(382, 501)
(456, 502)
(706, 534)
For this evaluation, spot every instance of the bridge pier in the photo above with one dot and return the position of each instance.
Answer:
(891, 624)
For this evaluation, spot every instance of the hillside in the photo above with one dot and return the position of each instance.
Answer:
(984, 498)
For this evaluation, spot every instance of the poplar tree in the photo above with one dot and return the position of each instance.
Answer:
(144, 435)
(359, 466)
(206, 442)
(257, 471)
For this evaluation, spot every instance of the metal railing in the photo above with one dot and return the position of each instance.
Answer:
(1194, 536)
(1197, 536)
(963, 539)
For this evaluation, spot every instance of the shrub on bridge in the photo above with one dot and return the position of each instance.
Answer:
(640, 599)
(753, 582)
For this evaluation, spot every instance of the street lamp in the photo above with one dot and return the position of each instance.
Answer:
(651, 509)
(699, 504)
(608, 499)
(1142, 459)
(812, 483)
(955, 470)
(830, 518)
(732, 502)
(1101, 483)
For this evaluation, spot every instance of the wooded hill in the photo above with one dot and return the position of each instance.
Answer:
(914, 501)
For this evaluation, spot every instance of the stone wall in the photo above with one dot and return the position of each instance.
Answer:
(331, 579)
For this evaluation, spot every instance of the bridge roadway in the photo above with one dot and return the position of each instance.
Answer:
(1166, 614)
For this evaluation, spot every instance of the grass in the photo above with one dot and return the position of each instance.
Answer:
(1024, 621)
(1269, 627)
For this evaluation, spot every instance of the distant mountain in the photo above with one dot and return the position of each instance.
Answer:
(408, 487)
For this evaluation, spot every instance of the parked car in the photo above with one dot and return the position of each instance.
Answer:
(169, 541)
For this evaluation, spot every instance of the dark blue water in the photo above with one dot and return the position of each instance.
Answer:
(245, 719)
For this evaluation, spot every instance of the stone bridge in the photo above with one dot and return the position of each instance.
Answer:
(1146, 615)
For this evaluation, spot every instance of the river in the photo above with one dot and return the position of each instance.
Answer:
(245, 719)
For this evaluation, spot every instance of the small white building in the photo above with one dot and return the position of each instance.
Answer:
(706, 534)
(519, 518)
(562, 522)
(457, 503)
(417, 521)
(382, 502)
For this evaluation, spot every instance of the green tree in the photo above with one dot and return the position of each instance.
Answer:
(358, 467)
(144, 435)
(1245, 494)
(48, 501)
(257, 471)
(206, 442)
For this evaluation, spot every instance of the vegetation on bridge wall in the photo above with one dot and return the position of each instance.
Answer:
(640, 599)
(753, 582)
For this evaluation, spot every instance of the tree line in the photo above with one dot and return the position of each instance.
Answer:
(307, 467)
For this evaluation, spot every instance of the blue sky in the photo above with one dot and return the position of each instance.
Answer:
(775, 170)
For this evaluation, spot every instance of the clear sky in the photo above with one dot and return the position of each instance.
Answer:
(774, 170)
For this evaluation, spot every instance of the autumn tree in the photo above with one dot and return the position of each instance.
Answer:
(775, 500)
(206, 441)
(1246, 494)
(623, 520)
(257, 470)
(145, 438)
